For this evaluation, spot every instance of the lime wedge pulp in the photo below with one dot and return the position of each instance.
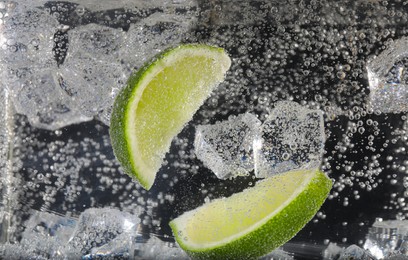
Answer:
(255, 221)
(158, 101)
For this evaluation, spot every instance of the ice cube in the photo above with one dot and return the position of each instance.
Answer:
(292, 137)
(355, 252)
(91, 72)
(388, 78)
(38, 93)
(155, 248)
(15, 251)
(98, 227)
(386, 238)
(47, 233)
(27, 37)
(92, 84)
(120, 247)
(152, 35)
(95, 41)
(226, 147)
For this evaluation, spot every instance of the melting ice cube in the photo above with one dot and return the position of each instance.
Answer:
(92, 73)
(27, 37)
(388, 78)
(387, 238)
(291, 137)
(97, 227)
(152, 34)
(47, 233)
(355, 252)
(226, 147)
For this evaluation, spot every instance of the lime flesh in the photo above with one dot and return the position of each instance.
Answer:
(252, 223)
(158, 101)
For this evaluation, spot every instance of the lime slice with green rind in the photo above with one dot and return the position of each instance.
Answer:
(158, 101)
(254, 222)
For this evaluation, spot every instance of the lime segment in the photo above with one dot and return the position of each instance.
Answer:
(158, 101)
(255, 221)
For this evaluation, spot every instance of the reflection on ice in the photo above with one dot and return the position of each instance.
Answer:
(387, 238)
(292, 137)
(388, 78)
(227, 147)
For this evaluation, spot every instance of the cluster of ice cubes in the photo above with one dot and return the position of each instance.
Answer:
(95, 60)
(98, 233)
(291, 137)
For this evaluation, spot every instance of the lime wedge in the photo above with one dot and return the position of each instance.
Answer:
(255, 221)
(158, 101)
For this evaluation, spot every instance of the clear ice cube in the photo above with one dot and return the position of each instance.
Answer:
(153, 34)
(38, 94)
(226, 147)
(355, 252)
(387, 238)
(92, 73)
(100, 226)
(291, 137)
(47, 233)
(155, 248)
(29, 70)
(27, 37)
(388, 78)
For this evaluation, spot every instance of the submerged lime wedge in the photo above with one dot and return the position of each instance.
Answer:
(158, 101)
(255, 221)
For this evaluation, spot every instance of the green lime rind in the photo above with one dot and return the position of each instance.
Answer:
(275, 232)
(120, 112)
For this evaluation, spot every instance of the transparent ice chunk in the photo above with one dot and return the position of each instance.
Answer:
(47, 233)
(91, 72)
(388, 78)
(355, 252)
(38, 94)
(153, 34)
(95, 41)
(387, 238)
(27, 37)
(291, 137)
(226, 147)
(99, 227)
(155, 248)
(120, 247)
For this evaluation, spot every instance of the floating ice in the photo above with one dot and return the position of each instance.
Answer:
(388, 78)
(94, 60)
(120, 247)
(47, 233)
(155, 248)
(226, 147)
(29, 70)
(152, 35)
(27, 37)
(36, 93)
(98, 227)
(91, 72)
(355, 252)
(387, 238)
(291, 137)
